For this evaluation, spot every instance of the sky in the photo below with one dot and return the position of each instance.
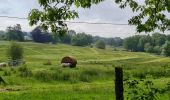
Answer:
(106, 11)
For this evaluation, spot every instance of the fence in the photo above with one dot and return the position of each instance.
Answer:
(119, 83)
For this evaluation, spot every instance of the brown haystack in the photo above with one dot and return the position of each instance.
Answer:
(69, 62)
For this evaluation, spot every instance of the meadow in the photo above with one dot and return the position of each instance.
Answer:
(92, 79)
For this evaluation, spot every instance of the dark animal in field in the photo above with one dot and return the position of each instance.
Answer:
(69, 62)
(3, 64)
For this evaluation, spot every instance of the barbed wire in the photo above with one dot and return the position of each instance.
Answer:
(73, 22)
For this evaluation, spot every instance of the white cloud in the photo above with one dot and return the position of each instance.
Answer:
(106, 11)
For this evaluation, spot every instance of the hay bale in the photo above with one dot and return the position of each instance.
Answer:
(69, 62)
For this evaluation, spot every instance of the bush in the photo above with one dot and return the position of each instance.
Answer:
(15, 51)
(81, 39)
(100, 44)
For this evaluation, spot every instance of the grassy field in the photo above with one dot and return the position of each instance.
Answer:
(93, 79)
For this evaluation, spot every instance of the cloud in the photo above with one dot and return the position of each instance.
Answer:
(5, 11)
(106, 11)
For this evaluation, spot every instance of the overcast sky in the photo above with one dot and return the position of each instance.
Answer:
(106, 11)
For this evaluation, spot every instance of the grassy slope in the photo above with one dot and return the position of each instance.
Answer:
(100, 88)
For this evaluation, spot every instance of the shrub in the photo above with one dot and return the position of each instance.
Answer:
(145, 92)
(100, 44)
(15, 54)
(15, 51)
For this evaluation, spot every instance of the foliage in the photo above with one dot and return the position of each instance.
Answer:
(55, 12)
(40, 37)
(143, 90)
(144, 39)
(2, 35)
(116, 42)
(151, 14)
(158, 39)
(15, 51)
(100, 44)
(66, 38)
(131, 43)
(14, 33)
(146, 43)
(81, 39)
(157, 50)
(166, 49)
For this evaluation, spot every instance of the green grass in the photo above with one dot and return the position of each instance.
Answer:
(92, 79)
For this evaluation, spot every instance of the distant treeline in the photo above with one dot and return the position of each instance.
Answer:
(156, 43)
(71, 37)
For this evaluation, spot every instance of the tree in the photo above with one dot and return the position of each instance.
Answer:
(14, 33)
(166, 49)
(66, 39)
(2, 35)
(143, 40)
(157, 50)
(151, 14)
(100, 44)
(117, 41)
(131, 43)
(55, 12)
(15, 51)
(168, 37)
(41, 37)
(148, 48)
(158, 39)
(81, 39)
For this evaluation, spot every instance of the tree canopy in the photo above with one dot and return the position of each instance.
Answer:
(14, 33)
(151, 14)
(55, 12)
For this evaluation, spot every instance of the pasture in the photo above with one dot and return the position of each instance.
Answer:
(92, 79)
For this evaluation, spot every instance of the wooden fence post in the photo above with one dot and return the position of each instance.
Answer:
(119, 83)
